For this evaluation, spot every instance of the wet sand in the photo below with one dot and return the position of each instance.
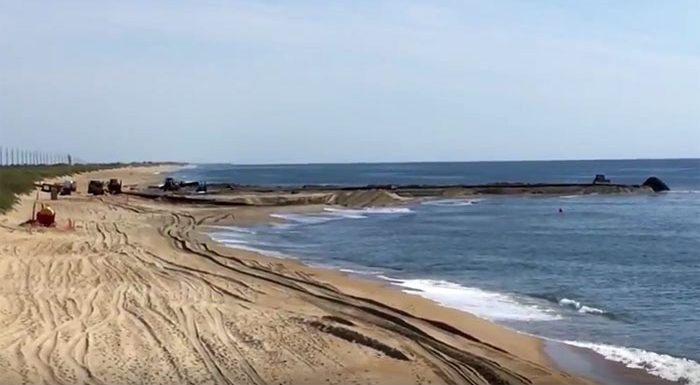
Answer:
(134, 293)
(589, 364)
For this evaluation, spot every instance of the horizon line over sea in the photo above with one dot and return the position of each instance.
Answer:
(322, 163)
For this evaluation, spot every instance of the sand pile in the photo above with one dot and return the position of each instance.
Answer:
(356, 199)
(366, 198)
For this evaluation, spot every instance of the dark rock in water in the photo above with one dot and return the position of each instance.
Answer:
(656, 184)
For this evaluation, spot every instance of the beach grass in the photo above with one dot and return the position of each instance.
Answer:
(17, 180)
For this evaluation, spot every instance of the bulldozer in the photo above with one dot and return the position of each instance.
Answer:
(170, 185)
(114, 186)
(96, 187)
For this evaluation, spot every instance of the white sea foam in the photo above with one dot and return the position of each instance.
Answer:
(234, 229)
(307, 219)
(661, 365)
(578, 306)
(452, 202)
(569, 196)
(487, 304)
(269, 253)
(360, 271)
(242, 238)
(227, 241)
(344, 214)
(332, 214)
(369, 210)
(393, 280)
(230, 238)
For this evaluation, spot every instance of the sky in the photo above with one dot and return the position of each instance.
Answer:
(351, 81)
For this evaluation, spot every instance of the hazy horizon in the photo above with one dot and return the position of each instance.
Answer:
(351, 82)
(436, 161)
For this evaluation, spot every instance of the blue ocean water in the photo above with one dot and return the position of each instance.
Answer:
(617, 274)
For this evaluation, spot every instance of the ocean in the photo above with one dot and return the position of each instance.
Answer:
(616, 274)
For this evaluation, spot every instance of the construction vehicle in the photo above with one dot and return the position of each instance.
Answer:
(170, 185)
(68, 187)
(114, 186)
(96, 187)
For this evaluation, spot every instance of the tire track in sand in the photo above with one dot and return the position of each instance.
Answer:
(455, 366)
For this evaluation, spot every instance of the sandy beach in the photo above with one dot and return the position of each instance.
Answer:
(134, 293)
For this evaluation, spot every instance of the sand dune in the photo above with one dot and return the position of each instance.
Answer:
(134, 294)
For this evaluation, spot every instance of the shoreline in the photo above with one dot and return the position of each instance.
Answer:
(133, 294)
(580, 361)
(590, 364)
(170, 305)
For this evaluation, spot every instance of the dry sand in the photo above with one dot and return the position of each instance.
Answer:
(134, 294)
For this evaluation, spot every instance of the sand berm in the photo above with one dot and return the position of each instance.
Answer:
(135, 294)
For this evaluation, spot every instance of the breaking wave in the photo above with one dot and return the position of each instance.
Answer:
(578, 306)
(486, 304)
(671, 368)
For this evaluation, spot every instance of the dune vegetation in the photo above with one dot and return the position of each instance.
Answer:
(17, 180)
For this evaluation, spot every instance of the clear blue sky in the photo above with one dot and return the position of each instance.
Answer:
(344, 81)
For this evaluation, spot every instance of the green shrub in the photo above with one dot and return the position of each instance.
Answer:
(17, 180)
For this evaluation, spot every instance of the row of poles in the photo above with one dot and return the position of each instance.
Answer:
(24, 157)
